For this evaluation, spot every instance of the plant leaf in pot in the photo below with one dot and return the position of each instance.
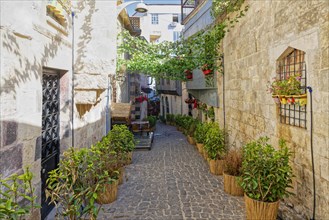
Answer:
(266, 175)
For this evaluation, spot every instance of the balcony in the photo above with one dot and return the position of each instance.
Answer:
(188, 6)
(170, 87)
(204, 88)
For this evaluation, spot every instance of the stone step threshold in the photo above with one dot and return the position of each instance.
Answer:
(144, 140)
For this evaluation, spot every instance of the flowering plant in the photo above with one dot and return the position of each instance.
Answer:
(141, 99)
(189, 101)
(289, 86)
(206, 67)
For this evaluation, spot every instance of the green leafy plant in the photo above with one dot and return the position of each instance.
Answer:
(215, 142)
(72, 186)
(162, 119)
(211, 113)
(17, 198)
(289, 86)
(152, 120)
(201, 132)
(266, 173)
(170, 118)
(121, 139)
(192, 127)
(171, 59)
(233, 162)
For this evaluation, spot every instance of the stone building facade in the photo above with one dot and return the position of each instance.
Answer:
(54, 81)
(268, 33)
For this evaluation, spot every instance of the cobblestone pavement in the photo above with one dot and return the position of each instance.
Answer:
(172, 181)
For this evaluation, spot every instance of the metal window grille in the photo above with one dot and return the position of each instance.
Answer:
(293, 65)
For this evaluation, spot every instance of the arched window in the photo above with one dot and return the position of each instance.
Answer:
(163, 106)
(291, 66)
(167, 105)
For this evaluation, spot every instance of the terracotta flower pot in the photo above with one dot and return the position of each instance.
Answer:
(207, 72)
(257, 210)
(216, 167)
(109, 194)
(231, 185)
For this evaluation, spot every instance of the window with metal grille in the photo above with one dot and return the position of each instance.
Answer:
(292, 64)
(155, 19)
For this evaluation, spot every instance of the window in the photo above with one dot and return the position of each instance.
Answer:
(155, 19)
(291, 64)
(176, 36)
(175, 18)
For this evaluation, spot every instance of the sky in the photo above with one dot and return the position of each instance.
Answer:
(131, 8)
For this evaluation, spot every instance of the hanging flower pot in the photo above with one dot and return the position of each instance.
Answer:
(276, 99)
(188, 74)
(300, 100)
(207, 72)
(206, 69)
(290, 100)
(189, 101)
(283, 99)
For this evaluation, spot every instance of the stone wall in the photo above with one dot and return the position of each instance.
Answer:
(251, 49)
(31, 42)
(95, 60)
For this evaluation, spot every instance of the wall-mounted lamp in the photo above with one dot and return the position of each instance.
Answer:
(141, 7)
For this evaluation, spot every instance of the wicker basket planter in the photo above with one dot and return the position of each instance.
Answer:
(204, 154)
(121, 175)
(231, 185)
(200, 147)
(129, 158)
(257, 210)
(109, 194)
(190, 140)
(216, 167)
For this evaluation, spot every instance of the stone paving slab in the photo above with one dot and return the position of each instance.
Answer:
(172, 181)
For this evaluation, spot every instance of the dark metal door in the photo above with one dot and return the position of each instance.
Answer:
(50, 133)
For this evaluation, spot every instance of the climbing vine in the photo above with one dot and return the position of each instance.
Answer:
(170, 59)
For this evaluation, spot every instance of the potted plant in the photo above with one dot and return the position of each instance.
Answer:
(215, 148)
(287, 91)
(232, 171)
(191, 130)
(123, 142)
(211, 113)
(78, 182)
(152, 121)
(200, 135)
(13, 190)
(265, 177)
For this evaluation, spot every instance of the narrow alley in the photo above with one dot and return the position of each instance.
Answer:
(172, 181)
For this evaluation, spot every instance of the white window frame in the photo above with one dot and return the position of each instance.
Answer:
(155, 19)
